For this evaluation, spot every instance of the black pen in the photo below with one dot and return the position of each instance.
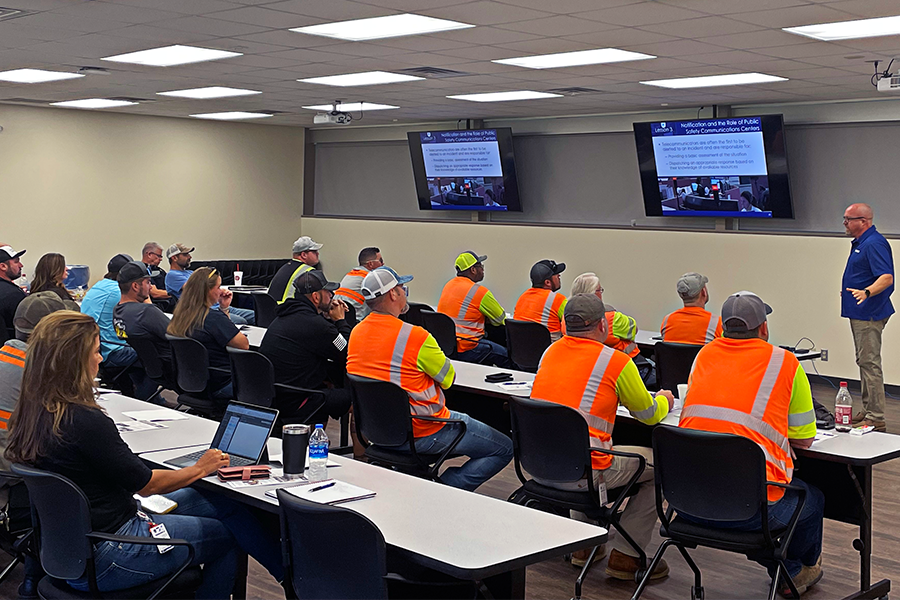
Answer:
(322, 487)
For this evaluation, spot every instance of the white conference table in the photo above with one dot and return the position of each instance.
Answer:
(648, 339)
(254, 334)
(176, 434)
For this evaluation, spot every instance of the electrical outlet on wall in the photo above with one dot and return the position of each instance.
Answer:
(824, 355)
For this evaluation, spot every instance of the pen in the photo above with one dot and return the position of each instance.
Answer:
(322, 487)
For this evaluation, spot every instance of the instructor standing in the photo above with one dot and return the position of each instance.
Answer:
(866, 300)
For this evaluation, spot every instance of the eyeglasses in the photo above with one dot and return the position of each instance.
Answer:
(848, 219)
(156, 255)
(405, 289)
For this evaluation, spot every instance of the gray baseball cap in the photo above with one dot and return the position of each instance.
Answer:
(176, 249)
(747, 308)
(583, 312)
(35, 307)
(690, 285)
(305, 243)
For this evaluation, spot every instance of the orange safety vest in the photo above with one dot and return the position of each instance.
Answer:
(582, 373)
(691, 325)
(540, 305)
(629, 347)
(460, 300)
(348, 293)
(744, 387)
(15, 357)
(385, 348)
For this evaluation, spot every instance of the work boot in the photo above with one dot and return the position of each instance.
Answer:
(579, 557)
(878, 425)
(621, 566)
(858, 417)
(805, 579)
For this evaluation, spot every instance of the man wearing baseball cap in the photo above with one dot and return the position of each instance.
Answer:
(133, 316)
(582, 372)
(10, 293)
(692, 324)
(542, 303)
(470, 304)
(384, 348)
(305, 257)
(179, 256)
(742, 385)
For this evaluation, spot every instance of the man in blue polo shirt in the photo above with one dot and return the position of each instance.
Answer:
(866, 300)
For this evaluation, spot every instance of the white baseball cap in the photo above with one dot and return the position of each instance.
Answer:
(381, 281)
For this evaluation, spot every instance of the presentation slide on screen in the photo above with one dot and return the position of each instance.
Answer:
(463, 169)
(712, 166)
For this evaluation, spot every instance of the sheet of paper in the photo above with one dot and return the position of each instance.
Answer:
(132, 426)
(515, 386)
(159, 414)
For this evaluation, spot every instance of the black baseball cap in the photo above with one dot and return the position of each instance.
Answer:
(313, 281)
(8, 253)
(115, 263)
(134, 271)
(545, 269)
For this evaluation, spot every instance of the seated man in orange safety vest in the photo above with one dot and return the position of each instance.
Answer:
(542, 303)
(368, 260)
(743, 385)
(470, 304)
(581, 372)
(384, 348)
(692, 324)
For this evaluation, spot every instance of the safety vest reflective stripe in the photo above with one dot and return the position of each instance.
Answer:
(350, 294)
(289, 288)
(461, 301)
(4, 419)
(355, 278)
(433, 401)
(13, 356)
(629, 348)
(711, 328)
(801, 419)
(768, 383)
(548, 309)
(602, 426)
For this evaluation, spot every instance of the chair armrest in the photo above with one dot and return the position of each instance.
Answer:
(294, 388)
(792, 523)
(221, 370)
(459, 436)
(438, 419)
(626, 489)
(151, 541)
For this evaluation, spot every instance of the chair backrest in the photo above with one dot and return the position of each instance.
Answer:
(443, 329)
(64, 520)
(550, 441)
(264, 307)
(148, 354)
(350, 316)
(381, 411)
(253, 377)
(414, 315)
(714, 476)
(673, 363)
(321, 562)
(526, 342)
(191, 364)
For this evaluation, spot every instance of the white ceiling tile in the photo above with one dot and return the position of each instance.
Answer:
(763, 38)
(644, 13)
(419, 43)
(620, 37)
(414, 6)
(485, 12)
(558, 26)
(542, 46)
(675, 48)
(694, 28)
(485, 35)
(566, 7)
(793, 16)
(801, 50)
(290, 39)
(71, 23)
(262, 16)
(185, 7)
(725, 7)
(331, 9)
(115, 11)
(207, 26)
(868, 8)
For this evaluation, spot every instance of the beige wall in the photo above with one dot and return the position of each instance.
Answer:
(91, 184)
(798, 276)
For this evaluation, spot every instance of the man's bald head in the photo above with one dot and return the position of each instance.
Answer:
(860, 209)
(857, 219)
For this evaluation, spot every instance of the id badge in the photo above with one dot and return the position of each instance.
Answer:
(601, 488)
(160, 533)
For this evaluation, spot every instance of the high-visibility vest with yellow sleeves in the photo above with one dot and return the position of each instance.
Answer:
(384, 348)
(540, 305)
(622, 330)
(351, 285)
(691, 325)
(594, 379)
(14, 359)
(469, 304)
(754, 389)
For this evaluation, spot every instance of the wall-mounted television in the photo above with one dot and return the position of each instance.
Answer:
(733, 167)
(465, 169)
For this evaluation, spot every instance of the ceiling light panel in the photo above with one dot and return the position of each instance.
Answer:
(232, 116)
(353, 106)
(574, 59)
(505, 96)
(35, 76)
(206, 93)
(367, 78)
(849, 30)
(714, 81)
(170, 56)
(382, 27)
(93, 103)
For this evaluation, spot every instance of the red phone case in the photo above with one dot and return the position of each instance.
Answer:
(244, 473)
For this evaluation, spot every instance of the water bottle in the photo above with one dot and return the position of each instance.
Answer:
(318, 454)
(843, 409)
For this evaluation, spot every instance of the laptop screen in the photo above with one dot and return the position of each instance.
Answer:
(244, 430)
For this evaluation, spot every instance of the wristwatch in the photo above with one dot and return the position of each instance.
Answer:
(868, 293)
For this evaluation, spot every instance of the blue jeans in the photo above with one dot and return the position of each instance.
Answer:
(487, 353)
(215, 526)
(488, 451)
(806, 545)
(125, 356)
(241, 316)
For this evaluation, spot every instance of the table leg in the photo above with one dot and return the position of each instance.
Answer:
(863, 544)
(240, 578)
(509, 585)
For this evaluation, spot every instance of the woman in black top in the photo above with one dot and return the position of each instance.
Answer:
(194, 317)
(58, 426)
(49, 274)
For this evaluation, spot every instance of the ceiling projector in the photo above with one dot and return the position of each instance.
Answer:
(335, 117)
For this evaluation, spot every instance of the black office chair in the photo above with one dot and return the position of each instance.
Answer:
(160, 372)
(443, 329)
(414, 315)
(730, 487)
(350, 315)
(16, 532)
(673, 363)
(565, 458)
(382, 414)
(526, 342)
(192, 376)
(264, 307)
(62, 520)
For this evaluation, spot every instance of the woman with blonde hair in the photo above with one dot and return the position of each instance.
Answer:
(59, 427)
(49, 274)
(194, 317)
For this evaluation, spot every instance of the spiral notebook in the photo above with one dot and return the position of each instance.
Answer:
(339, 493)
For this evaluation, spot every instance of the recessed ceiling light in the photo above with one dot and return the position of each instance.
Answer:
(232, 116)
(93, 103)
(505, 96)
(382, 27)
(574, 59)
(169, 56)
(367, 78)
(848, 30)
(353, 106)
(209, 92)
(714, 80)
(35, 76)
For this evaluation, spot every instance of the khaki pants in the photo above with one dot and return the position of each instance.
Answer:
(867, 339)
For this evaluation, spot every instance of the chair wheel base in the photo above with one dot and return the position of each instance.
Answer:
(639, 575)
(697, 593)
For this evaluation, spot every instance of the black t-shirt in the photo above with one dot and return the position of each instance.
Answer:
(91, 453)
(142, 319)
(10, 296)
(217, 331)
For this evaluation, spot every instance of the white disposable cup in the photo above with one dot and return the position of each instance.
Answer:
(682, 391)
(238, 277)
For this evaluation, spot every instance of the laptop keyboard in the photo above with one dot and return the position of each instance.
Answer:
(233, 461)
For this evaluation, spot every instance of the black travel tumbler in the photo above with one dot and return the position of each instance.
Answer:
(294, 441)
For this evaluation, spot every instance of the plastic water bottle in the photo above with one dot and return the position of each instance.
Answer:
(318, 454)
(843, 409)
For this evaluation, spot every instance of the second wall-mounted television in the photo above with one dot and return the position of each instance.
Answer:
(733, 167)
(465, 169)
